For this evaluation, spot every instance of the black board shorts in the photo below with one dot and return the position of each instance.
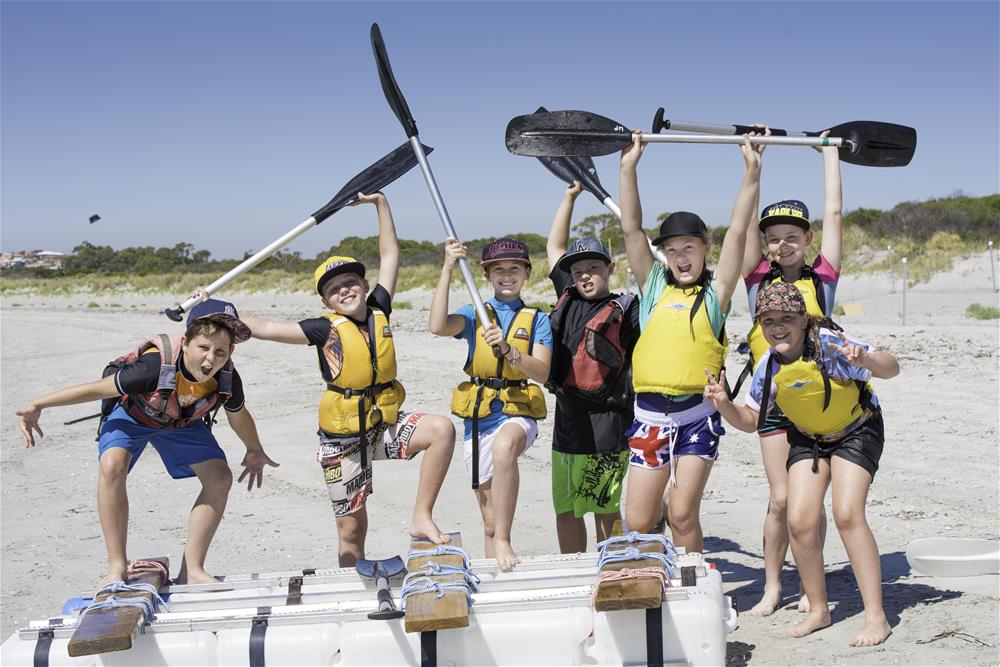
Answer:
(862, 446)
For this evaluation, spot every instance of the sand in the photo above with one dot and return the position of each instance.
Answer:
(938, 476)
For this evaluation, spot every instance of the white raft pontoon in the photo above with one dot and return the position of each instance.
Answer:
(540, 613)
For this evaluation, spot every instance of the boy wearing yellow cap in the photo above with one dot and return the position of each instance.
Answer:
(363, 398)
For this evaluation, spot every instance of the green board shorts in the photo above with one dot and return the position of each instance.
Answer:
(584, 483)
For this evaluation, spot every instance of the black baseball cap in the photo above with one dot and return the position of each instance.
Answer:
(785, 212)
(681, 223)
(586, 248)
(225, 314)
(505, 249)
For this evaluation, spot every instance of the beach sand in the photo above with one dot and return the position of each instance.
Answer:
(938, 475)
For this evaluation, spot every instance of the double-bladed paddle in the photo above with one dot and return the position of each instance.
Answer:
(372, 179)
(581, 133)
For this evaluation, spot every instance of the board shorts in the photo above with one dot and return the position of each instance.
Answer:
(179, 448)
(862, 446)
(585, 483)
(776, 423)
(530, 427)
(654, 447)
(340, 458)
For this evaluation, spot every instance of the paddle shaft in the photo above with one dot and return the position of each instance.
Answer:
(176, 314)
(715, 128)
(766, 140)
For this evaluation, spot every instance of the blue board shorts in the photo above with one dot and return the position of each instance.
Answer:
(179, 448)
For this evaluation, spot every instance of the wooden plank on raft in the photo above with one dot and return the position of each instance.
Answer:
(426, 612)
(105, 630)
(640, 593)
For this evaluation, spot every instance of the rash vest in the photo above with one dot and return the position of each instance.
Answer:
(366, 382)
(675, 348)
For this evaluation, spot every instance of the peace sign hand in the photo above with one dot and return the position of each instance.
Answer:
(855, 354)
(716, 391)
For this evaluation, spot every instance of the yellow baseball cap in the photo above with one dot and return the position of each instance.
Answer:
(334, 266)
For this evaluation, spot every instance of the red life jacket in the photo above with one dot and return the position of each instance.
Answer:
(160, 408)
(599, 359)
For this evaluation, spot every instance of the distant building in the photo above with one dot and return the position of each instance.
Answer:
(45, 259)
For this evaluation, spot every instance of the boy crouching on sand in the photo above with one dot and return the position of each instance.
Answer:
(166, 391)
(499, 405)
(363, 399)
(594, 332)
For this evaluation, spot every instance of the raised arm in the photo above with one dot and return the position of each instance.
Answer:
(439, 321)
(640, 256)
(753, 251)
(81, 393)
(388, 243)
(279, 332)
(727, 271)
(559, 232)
(741, 417)
(833, 205)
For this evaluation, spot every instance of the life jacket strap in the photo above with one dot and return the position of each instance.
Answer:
(497, 383)
(367, 392)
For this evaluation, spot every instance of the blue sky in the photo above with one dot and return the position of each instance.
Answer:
(224, 124)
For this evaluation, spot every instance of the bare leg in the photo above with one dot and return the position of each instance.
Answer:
(684, 504)
(112, 508)
(806, 490)
(484, 498)
(352, 530)
(435, 436)
(803, 598)
(572, 533)
(643, 495)
(216, 480)
(508, 444)
(774, 452)
(604, 525)
(850, 490)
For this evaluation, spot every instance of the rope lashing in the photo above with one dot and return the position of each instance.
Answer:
(148, 606)
(439, 550)
(633, 573)
(422, 583)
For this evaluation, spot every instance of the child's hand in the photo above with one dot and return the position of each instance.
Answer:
(29, 415)
(253, 467)
(200, 293)
(573, 191)
(752, 152)
(368, 199)
(632, 153)
(855, 354)
(453, 251)
(716, 391)
(826, 149)
(493, 335)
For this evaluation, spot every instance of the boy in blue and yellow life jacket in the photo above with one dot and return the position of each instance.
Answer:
(498, 403)
(819, 379)
(164, 393)
(594, 332)
(674, 438)
(360, 415)
(787, 235)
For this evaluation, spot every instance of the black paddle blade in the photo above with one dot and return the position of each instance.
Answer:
(565, 133)
(876, 144)
(569, 169)
(393, 95)
(372, 179)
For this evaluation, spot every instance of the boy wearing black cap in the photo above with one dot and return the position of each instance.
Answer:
(787, 234)
(363, 399)
(498, 403)
(674, 439)
(594, 332)
(165, 393)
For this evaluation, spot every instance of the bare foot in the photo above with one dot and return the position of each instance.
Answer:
(803, 604)
(506, 558)
(814, 621)
(768, 603)
(196, 577)
(425, 527)
(116, 572)
(875, 632)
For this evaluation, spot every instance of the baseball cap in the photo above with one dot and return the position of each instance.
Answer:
(782, 297)
(504, 249)
(681, 223)
(785, 212)
(586, 248)
(334, 266)
(222, 312)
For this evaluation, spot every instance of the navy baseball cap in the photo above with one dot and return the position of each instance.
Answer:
(586, 248)
(681, 223)
(224, 313)
(785, 212)
(505, 249)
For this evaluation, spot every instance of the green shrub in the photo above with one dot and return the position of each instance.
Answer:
(978, 311)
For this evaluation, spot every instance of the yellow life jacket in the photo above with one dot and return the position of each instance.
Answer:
(815, 404)
(491, 378)
(364, 392)
(812, 292)
(677, 345)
